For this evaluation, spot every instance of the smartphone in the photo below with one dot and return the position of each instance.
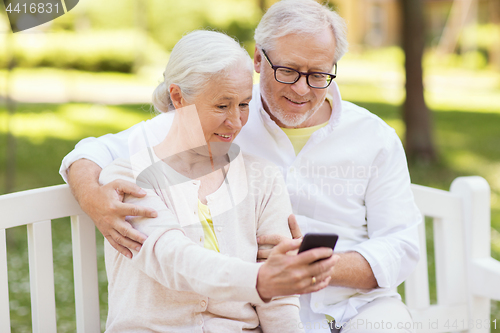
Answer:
(314, 240)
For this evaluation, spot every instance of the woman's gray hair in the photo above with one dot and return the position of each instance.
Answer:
(195, 59)
(300, 17)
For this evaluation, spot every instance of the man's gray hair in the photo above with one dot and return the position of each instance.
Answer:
(196, 58)
(300, 17)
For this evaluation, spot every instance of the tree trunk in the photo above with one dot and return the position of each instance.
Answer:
(417, 117)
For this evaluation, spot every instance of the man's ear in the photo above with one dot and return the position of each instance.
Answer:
(176, 96)
(257, 59)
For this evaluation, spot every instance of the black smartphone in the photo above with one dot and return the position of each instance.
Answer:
(314, 240)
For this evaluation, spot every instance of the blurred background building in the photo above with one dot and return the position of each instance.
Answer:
(377, 23)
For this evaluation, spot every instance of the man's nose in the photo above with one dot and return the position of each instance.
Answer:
(301, 87)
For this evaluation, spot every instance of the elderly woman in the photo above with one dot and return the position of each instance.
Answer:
(197, 270)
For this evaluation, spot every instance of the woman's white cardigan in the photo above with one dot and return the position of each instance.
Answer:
(174, 284)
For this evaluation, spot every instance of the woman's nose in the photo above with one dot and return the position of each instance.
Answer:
(234, 120)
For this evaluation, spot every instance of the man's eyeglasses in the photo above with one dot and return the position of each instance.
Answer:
(317, 80)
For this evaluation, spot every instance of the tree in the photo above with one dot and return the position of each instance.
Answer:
(417, 117)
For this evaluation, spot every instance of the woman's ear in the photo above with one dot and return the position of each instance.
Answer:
(176, 96)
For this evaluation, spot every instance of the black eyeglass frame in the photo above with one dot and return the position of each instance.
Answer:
(275, 68)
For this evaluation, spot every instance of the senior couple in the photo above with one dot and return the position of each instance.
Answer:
(192, 199)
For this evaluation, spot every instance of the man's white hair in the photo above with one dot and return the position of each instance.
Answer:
(196, 58)
(300, 17)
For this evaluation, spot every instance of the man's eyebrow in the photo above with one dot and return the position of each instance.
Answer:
(314, 69)
(288, 64)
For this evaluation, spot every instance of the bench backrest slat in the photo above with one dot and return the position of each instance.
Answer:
(85, 265)
(37, 205)
(476, 210)
(43, 304)
(437, 203)
(4, 286)
(449, 252)
(445, 208)
(418, 298)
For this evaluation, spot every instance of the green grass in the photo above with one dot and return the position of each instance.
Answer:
(17, 248)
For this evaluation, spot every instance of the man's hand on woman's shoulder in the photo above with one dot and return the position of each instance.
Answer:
(104, 205)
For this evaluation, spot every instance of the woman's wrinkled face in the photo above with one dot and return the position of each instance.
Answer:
(223, 108)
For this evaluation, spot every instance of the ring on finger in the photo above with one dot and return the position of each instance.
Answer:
(313, 280)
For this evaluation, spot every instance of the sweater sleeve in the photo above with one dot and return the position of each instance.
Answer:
(281, 313)
(172, 259)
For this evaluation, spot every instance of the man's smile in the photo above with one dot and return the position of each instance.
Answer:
(295, 102)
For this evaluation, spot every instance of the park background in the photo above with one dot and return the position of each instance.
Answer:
(92, 72)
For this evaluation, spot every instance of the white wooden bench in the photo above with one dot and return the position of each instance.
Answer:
(467, 278)
(466, 275)
(35, 209)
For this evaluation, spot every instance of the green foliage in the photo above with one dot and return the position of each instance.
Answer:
(391, 55)
(19, 288)
(110, 14)
(122, 35)
(475, 60)
(476, 43)
(485, 36)
(97, 51)
(168, 21)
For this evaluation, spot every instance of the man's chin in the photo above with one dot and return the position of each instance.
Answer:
(290, 119)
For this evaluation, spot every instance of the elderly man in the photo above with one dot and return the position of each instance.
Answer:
(345, 170)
